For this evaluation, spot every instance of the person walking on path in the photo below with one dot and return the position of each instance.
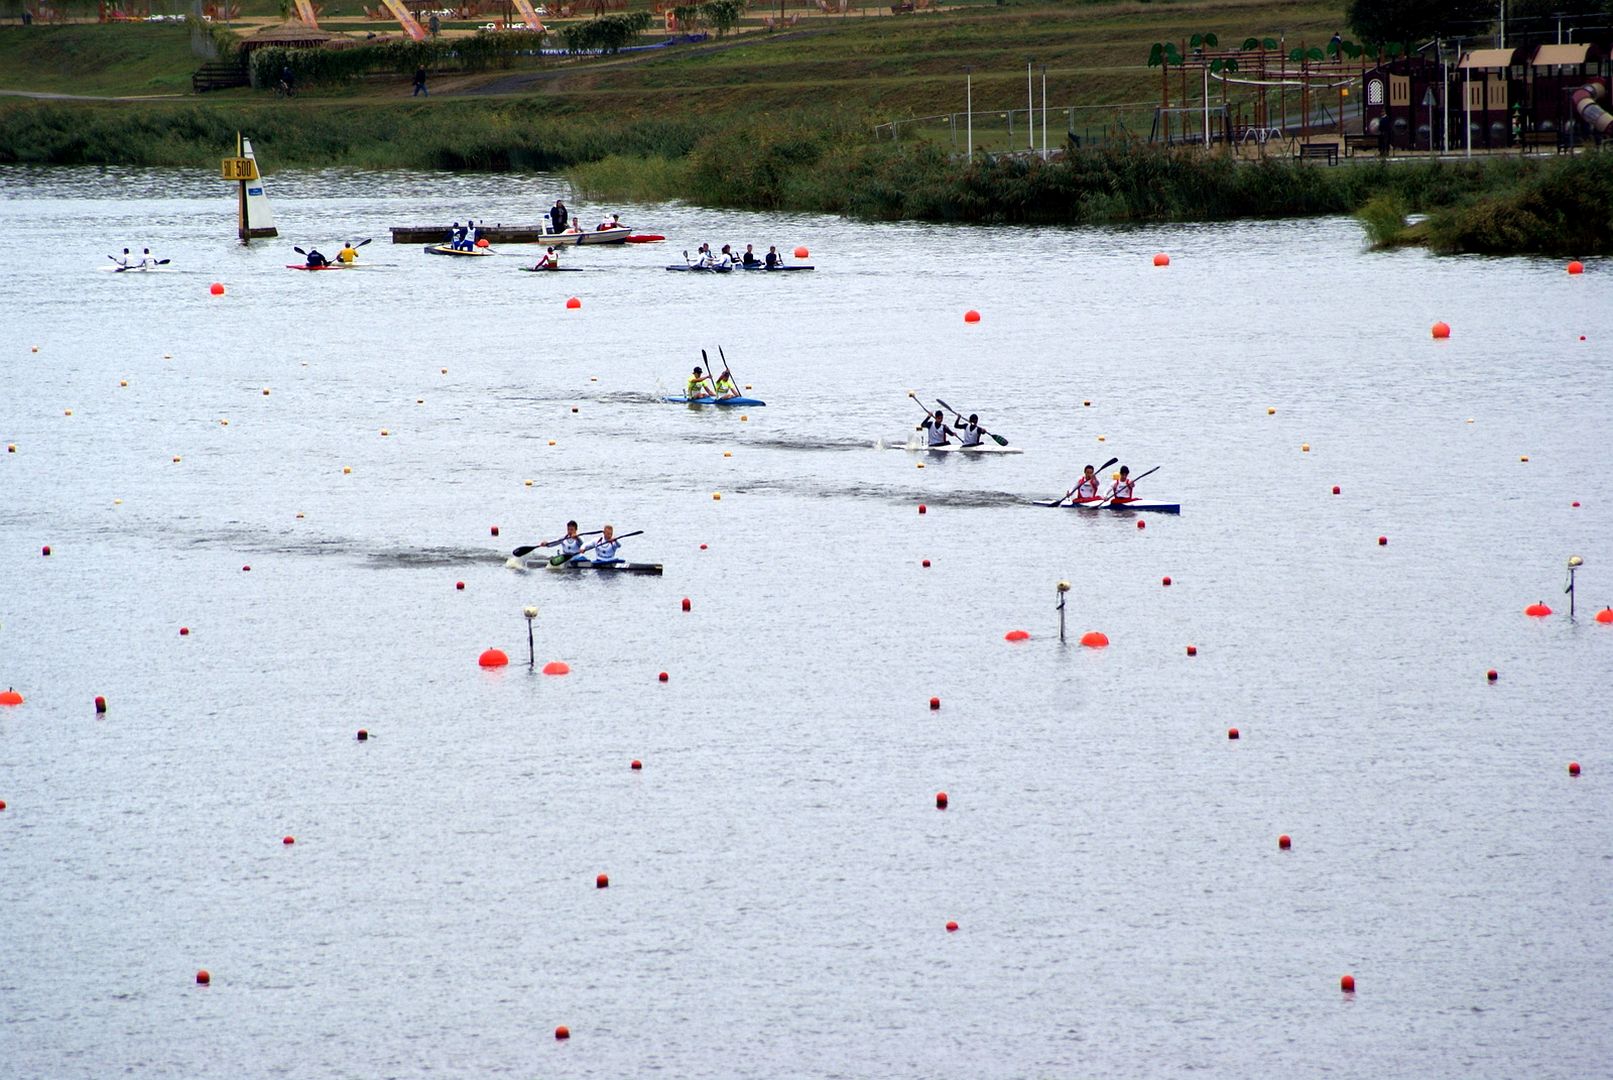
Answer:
(420, 82)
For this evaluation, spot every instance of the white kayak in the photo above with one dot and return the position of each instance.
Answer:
(1134, 506)
(918, 446)
(138, 269)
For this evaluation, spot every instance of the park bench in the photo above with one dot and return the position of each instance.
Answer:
(1355, 144)
(1534, 140)
(1320, 151)
(218, 77)
(904, 8)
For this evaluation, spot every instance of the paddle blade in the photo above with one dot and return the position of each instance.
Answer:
(361, 243)
(524, 550)
(299, 251)
(1000, 440)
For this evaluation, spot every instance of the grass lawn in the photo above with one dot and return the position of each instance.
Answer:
(110, 59)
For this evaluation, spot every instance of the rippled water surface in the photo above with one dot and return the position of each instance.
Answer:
(780, 879)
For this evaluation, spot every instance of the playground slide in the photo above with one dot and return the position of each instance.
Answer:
(410, 24)
(1584, 102)
(528, 15)
(305, 12)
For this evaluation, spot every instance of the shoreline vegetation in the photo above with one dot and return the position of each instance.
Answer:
(629, 130)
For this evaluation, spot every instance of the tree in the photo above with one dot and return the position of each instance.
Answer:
(1408, 21)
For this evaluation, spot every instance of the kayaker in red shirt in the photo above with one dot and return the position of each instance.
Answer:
(1086, 488)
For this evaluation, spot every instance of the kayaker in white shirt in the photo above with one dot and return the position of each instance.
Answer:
(1087, 487)
(123, 260)
(1125, 488)
(571, 543)
(937, 428)
(971, 432)
(605, 547)
(147, 260)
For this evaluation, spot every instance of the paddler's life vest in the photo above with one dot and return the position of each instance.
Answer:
(970, 434)
(1124, 489)
(724, 386)
(1087, 488)
(938, 432)
(696, 388)
(571, 545)
(605, 551)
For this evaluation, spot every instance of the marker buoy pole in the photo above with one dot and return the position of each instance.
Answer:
(1574, 563)
(531, 657)
(1063, 587)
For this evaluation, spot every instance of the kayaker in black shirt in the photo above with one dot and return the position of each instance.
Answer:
(750, 258)
(316, 259)
(775, 261)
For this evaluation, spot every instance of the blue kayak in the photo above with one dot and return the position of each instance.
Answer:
(714, 401)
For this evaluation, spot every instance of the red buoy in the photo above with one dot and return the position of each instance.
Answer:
(602, 881)
(940, 800)
(557, 667)
(1576, 267)
(923, 509)
(1096, 639)
(1166, 580)
(1335, 489)
(1575, 504)
(1573, 768)
(685, 603)
(481, 241)
(702, 547)
(1284, 842)
(2, 804)
(1442, 330)
(1492, 675)
(1162, 259)
(217, 288)
(184, 631)
(45, 550)
(100, 704)
(1017, 635)
(971, 316)
(952, 927)
(203, 978)
(925, 564)
(1347, 983)
(494, 530)
(573, 304)
(662, 676)
(1383, 541)
(493, 658)
(11, 697)
(363, 735)
(935, 703)
(459, 585)
(636, 765)
(246, 569)
(801, 252)
(1232, 733)
(1192, 650)
(1537, 610)
(562, 1032)
(1142, 524)
(288, 840)
(1605, 616)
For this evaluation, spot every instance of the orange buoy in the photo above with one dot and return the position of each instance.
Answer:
(801, 252)
(602, 881)
(1576, 267)
(288, 840)
(1192, 650)
(1605, 616)
(662, 676)
(493, 658)
(562, 1032)
(1492, 675)
(952, 926)
(217, 288)
(1573, 768)
(557, 667)
(971, 315)
(203, 977)
(940, 800)
(1347, 983)
(481, 241)
(1537, 611)
(1442, 330)
(1284, 842)
(636, 765)
(1233, 733)
(573, 304)
(10, 697)
(1095, 639)
(1162, 259)
(1017, 635)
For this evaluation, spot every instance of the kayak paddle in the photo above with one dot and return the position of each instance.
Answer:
(1072, 491)
(526, 549)
(561, 560)
(998, 439)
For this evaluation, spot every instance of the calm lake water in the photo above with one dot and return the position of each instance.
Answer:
(780, 879)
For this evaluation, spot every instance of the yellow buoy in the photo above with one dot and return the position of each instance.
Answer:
(1305, 447)
(1271, 412)
(176, 459)
(716, 496)
(347, 470)
(1102, 439)
(223, 422)
(727, 453)
(67, 412)
(117, 502)
(384, 431)
(528, 483)
(123, 382)
(265, 391)
(1523, 457)
(920, 465)
(300, 515)
(551, 442)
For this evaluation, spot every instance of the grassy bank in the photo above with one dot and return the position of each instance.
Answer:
(137, 58)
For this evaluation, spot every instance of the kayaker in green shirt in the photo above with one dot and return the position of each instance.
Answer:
(697, 386)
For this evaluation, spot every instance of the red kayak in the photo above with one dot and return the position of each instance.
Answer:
(327, 266)
(645, 238)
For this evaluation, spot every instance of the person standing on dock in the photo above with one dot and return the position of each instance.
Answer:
(420, 82)
(559, 217)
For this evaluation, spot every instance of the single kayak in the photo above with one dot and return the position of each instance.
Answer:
(553, 269)
(713, 401)
(688, 268)
(608, 568)
(449, 249)
(645, 238)
(1136, 505)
